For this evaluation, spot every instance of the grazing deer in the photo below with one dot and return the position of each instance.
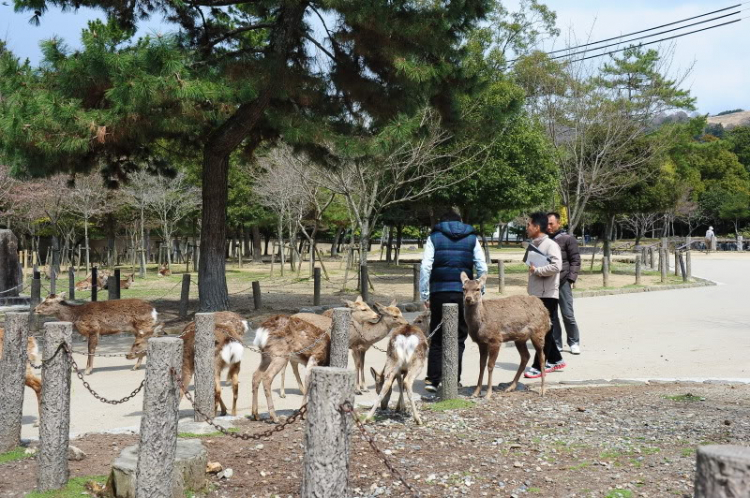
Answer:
(164, 270)
(279, 337)
(495, 321)
(94, 319)
(364, 330)
(31, 380)
(407, 351)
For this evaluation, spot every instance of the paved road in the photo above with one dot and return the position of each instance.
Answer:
(695, 333)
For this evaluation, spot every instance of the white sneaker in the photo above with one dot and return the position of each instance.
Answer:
(575, 349)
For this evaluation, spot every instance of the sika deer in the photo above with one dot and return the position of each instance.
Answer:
(164, 270)
(492, 322)
(407, 350)
(86, 284)
(125, 284)
(31, 380)
(279, 337)
(103, 318)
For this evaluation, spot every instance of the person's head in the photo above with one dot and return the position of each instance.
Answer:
(553, 222)
(450, 215)
(711, 228)
(536, 225)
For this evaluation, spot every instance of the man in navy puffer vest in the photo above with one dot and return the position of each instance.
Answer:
(452, 248)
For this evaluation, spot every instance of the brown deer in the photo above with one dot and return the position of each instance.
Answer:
(364, 330)
(279, 337)
(86, 284)
(495, 321)
(164, 270)
(32, 381)
(94, 319)
(125, 284)
(407, 351)
(423, 322)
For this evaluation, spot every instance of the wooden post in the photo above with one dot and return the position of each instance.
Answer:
(118, 279)
(54, 421)
(722, 471)
(316, 287)
(638, 269)
(205, 398)
(327, 433)
(256, 295)
(415, 296)
(683, 270)
(651, 258)
(364, 280)
(184, 296)
(12, 371)
(94, 283)
(161, 400)
(71, 283)
(112, 286)
(605, 271)
(663, 259)
(449, 383)
(676, 263)
(501, 275)
(689, 264)
(342, 318)
(53, 281)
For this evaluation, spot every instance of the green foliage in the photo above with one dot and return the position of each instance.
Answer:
(74, 489)
(450, 404)
(739, 141)
(732, 111)
(13, 455)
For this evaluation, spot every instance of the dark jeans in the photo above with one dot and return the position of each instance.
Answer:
(568, 317)
(435, 358)
(551, 353)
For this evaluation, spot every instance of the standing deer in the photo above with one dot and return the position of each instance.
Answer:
(495, 321)
(94, 319)
(278, 338)
(407, 351)
(31, 380)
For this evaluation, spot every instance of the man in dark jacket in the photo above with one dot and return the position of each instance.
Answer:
(451, 248)
(571, 265)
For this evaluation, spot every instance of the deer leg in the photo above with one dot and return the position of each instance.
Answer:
(387, 386)
(401, 405)
(217, 392)
(312, 362)
(408, 383)
(234, 373)
(494, 350)
(93, 341)
(539, 346)
(257, 377)
(300, 384)
(139, 360)
(35, 383)
(482, 363)
(276, 365)
(187, 374)
(363, 386)
(282, 391)
(358, 368)
(523, 351)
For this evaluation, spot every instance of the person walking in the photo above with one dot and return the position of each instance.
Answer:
(709, 238)
(571, 265)
(451, 248)
(544, 283)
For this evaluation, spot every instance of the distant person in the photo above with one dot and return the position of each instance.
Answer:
(451, 248)
(571, 265)
(709, 238)
(543, 283)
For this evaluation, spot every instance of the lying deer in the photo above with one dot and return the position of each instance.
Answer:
(279, 337)
(164, 270)
(86, 284)
(125, 284)
(94, 319)
(407, 351)
(366, 329)
(32, 381)
(494, 321)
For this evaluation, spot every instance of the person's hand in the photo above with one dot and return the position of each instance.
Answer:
(532, 268)
(427, 304)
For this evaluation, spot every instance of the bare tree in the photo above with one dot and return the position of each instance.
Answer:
(137, 192)
(88, 196)
(640, 223)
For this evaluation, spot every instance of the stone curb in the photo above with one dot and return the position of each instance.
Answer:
(700, 282)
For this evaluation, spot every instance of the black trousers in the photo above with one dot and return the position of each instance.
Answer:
(551, 353)
(435, 358)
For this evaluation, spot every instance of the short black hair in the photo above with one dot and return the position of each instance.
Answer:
(450, 215)
(539, 218)
(556, 215)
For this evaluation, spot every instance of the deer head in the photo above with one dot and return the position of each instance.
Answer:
(140, 344)
(379, 379)
(50, 305)
(472, 289)
(361, 312)
(391, 315)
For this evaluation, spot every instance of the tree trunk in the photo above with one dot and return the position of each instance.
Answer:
(246, 241)
(399, 240)
(142, 257)
(281, 245)
(389, 247)
(212, 282)
(257, 251)
(86, 241)
(336, 239)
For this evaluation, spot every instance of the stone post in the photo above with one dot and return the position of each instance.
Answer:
(501, 275)
(316, 287)
(205, 390)
(256, 295)
(739, 242)
(9, 281)
(112, 285)
(722, 471)
(449, 383)
(184, 296)
(71, 283)
(54, 421)
(342, 318)
(416, 269)
(52, 281)
(325, 469)
(638, 269)
(12, 371)
(714, 243)
(161, 400)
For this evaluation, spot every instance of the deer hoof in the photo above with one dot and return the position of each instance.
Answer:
(358, 392)
(418, 420)
(476, 394)
(282, 395)
(87, 372)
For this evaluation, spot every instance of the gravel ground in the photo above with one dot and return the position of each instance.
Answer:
(612, 441)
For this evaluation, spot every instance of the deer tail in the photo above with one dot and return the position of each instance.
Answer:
(232, 351)
(405, 347)
(261, 338)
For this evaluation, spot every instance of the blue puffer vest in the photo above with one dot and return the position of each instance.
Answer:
(454, 253)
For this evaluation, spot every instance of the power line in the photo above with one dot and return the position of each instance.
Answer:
(621, 42)
(649, 29)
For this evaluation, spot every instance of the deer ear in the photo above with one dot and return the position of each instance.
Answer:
(359, 299)
(464, 277)
(348, 303)
(483, 279)
(374, 373)
(393, 302)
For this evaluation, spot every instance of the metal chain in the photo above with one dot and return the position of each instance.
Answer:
(435, 331)
(94, 393)
(22, 285)
(347, 407)
(297, 415)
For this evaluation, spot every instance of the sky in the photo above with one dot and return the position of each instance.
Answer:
(720, 58)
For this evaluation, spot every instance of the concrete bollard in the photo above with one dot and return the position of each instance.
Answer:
(94, 284)
(501, 275)
(415, 296)
(184, 296)
(12, 371)
(161, 400)
(714, 243)
(605, 272)
(689, 265)
(205, 390)
(342, 318)
(71, 283)
(112, 286)
(449, 383)
(54, 421)
(722, 471)
(256, 295)
(328, 430)
(739, 243)
(364, 281)
(638, 269)
(316, 287)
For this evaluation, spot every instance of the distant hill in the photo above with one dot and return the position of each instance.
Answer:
(731, 120)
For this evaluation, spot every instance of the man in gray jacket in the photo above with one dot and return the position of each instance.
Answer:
(571, 265)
